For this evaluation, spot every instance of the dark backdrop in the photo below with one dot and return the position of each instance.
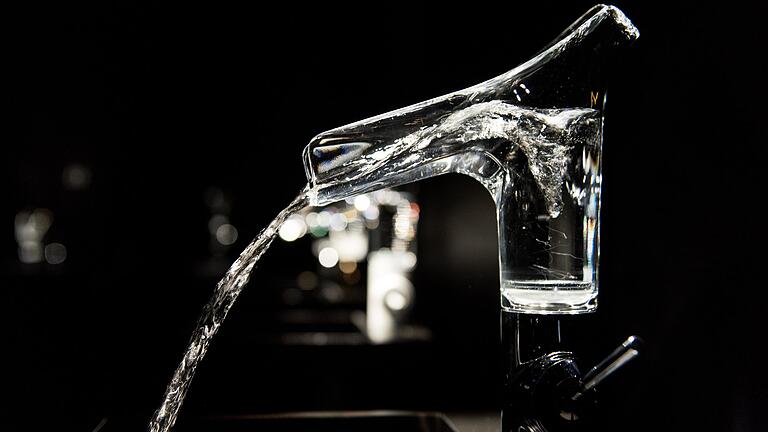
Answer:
(160, 102)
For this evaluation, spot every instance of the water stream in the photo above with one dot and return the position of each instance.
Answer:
(214, 313)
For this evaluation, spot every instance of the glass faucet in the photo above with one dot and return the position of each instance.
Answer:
(533, 138)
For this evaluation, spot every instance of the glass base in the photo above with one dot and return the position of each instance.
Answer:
(547, 297)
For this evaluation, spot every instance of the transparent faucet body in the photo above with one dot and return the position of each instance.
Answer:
(532, 137)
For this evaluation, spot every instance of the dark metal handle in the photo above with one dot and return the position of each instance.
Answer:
(618, 358)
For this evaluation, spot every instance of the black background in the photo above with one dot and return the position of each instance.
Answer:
(162, 101)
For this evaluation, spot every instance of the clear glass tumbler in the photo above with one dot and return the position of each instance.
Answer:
(549, 241)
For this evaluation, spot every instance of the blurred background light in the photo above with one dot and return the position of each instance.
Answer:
(76, 177)
(328, 257)
(293, 228)
(55, 253)
(226, 234)
(362, 202)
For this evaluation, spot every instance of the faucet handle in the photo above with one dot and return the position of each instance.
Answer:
(627, 351)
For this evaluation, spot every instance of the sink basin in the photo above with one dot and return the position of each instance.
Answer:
(357, 421)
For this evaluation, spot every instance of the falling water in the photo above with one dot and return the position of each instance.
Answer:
(214, 313)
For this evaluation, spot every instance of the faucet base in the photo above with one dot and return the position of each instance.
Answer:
(541, 377)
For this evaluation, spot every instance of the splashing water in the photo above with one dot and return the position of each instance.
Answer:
(214, 313)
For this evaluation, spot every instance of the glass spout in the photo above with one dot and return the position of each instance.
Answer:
(532, 136)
